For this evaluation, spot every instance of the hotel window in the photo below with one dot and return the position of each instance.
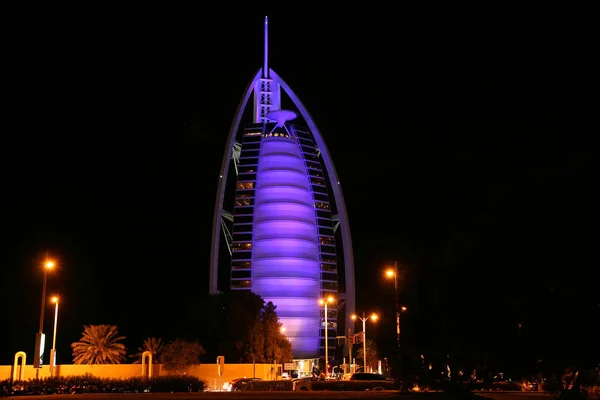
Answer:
(314, 172)
(241, 255)
(314, 165)
(242, 237)
(248, 161)
(241, 246)
(248, 153)
(328, 267)
(332, 313)
(244, 185)
(319, 189)
(250, 140)
(244, 194)
(322, 205)
(253, 133)
(242, 228)
(323, 214)
(243, 211)
(324, 221)
(248, 176)
(240, 274)
(326, 259)
(240, 284)
(251, 146)
(329, 277)
(246, 170)
(321, 197)
(317, 181)
(241, 265)
(330, 285)
(309, 149)
(326, 240)
(244, 202)
(243, 219)
(327, 249)
(326, 231)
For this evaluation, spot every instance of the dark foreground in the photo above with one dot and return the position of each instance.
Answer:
(319, 395)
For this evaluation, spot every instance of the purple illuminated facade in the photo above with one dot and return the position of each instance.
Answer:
(288, 214)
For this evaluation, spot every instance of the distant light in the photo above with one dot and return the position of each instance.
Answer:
(49, 264)
(220, 176)
(54, 299)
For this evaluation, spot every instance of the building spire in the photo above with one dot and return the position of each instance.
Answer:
(266, 61)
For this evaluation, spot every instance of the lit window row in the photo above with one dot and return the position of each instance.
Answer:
(276, 135)
(241, 265)
(332, 324)
(252, 133)
(322, 205)
(328, 276)
(245, 185)
(243, 202)
(329, 267)
(332, 313)
(327, 248)
(326, 240)
(241, 246)
(240, 284)
(317, 181)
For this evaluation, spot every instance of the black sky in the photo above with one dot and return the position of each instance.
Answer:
(462, 138)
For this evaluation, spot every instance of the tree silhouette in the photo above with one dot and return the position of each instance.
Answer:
(99, 344)
(239, 326)
(266, 342)
(372, 354)
(179, 355)
(151, 344)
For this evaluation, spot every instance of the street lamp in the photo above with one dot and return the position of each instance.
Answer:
(53, 351)
(39, 339)
(324, 302)
(364, 335)
(393, 273)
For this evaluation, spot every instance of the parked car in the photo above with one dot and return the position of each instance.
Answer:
(367, 376)
(237, 384)
(303, 384)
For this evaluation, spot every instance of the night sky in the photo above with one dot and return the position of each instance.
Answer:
(462, 139)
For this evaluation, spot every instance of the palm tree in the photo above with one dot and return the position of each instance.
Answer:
(372, 354)
(99, 345)
(151, 344)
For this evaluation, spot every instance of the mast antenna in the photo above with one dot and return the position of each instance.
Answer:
(266, 61)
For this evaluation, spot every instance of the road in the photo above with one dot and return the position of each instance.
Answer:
(319, 395)
(517, 395)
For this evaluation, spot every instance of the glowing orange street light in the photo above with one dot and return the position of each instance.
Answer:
(393, 273)
(374, 317)
(53, 350)
(324, 302)
(39, 339)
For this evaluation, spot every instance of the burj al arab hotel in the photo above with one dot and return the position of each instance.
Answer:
(280, 226)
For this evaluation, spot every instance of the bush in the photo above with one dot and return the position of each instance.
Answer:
(91, 384)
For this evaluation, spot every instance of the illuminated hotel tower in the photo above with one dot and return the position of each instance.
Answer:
(288, 214)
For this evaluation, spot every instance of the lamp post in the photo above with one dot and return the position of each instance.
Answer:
(394, 273)
(39, 339)
(324, 302)
(53, 350)
(364, 335)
